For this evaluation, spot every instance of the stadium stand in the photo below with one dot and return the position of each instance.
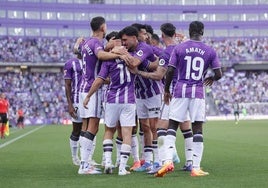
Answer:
(248, 88)
(58, 50)
(41, 95)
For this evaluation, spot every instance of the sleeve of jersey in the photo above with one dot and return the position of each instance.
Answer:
(164, 59)
(157, 51)
(215, 64)
(173, 61)
(104, 71)
(67, 73)
(145, 52)
(98, 46)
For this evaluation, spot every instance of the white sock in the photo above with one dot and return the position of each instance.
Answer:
(118, 142)
(125, 152)
(170, 145)
(155, 152)
(74, 149)
(141, 134)
(188, 146)
(148, 154)
(93, 149)
(85, 148)
(161, 149)
(198, 148)
(108, 150)
(135, 147)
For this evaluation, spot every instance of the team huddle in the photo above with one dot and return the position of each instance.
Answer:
(134, 83)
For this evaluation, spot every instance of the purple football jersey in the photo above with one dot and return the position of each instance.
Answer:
(73, 71)
(121, 88)
(157, 50)
(164, 61)
(146, 88)
(192, 59)
(91, 64)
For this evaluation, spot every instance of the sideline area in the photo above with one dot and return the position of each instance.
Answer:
(19, 137)
(231, 117)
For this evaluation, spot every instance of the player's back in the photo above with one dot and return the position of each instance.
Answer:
(146, 88)
(166, 56)
(195, 58)
(192, 59)
(121, 88)
(90, 61)
(73, 71)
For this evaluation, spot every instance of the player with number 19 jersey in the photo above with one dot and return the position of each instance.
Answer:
(192, 59)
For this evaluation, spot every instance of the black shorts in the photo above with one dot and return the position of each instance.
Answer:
(20, 119)
(3, 118)
(236, 113)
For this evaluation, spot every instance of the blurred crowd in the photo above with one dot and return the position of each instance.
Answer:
(249, 89)
(16, 49)
(33, 50)
(40, 95)
(236, 49)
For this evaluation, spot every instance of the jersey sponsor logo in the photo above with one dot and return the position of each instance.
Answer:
(139, 53)
(154, 109)
(161, 62)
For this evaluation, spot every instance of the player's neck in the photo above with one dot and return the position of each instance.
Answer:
(169, 41)
(98, 35)
(196, 37)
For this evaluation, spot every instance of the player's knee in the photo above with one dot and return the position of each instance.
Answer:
(197, 127)
(173, 124)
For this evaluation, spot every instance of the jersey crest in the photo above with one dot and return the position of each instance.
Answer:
(139, 53)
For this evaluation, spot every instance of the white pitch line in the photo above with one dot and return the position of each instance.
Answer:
(21, 136)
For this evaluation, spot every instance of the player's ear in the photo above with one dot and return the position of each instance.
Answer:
(202, 32)
(103, 28)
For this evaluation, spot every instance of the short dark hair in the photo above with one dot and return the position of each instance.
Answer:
(149, 29)
(155, 37)
(139, 26)
(168, 29)
(129, 31)
(111, 35)
(96, 23)
(196, 28)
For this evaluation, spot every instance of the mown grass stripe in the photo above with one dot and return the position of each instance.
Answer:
(19, 137)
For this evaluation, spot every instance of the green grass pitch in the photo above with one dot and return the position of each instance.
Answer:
(39, 157)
